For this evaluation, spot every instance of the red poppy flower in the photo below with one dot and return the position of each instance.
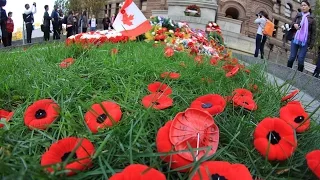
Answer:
(60, 151)
(198, 59)
(242, 92)
(313, 161)
(222, 170)
(66, 63)
(41, 114)
(114, 51)
(190, 44)
(247, 71)
(254, 87)
(157, 101)
(159, 87)
(245, 102)
(275, 139)
(228, 67)
(168, 52)
(234, 61)
(192, 127)
(138, 171)
(212, 103)
(295, 115)
(291, 95)
(233, 72)
(102, 116)
(5, 115)
(194, 51)
(171, 75)
(214, 60)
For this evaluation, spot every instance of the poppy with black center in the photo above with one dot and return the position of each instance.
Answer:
(313, 161)
(7, 115)
(138, 171)
(168, 52)
(102, 115)
(295, 115)
(158, 87)
(228, 67)
(157, 101)
(212, 103)
(221, 170)
(242, 92)
(245, 102)
(59, 152)
(170, 75)
(41, 114)
(275, 139)
(66, 63)
(233, 72)
(290, 96)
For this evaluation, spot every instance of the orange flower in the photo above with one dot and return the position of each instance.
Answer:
(170, 75)
(66, 63)
(168, 52)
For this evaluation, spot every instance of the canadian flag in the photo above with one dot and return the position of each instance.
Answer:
(130, 21)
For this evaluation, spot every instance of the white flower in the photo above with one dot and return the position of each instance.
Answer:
(171, 31)
(153, 33)
(215, 24)
(210, 24)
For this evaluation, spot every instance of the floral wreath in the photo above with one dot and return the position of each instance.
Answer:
(191, 9)
(212, 26)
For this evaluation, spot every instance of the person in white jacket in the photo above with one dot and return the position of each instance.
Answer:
(29, 19)
(260, 38)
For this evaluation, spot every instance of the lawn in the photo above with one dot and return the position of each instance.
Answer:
(32, 74)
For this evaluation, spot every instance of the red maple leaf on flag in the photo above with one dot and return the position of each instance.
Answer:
(127, 19)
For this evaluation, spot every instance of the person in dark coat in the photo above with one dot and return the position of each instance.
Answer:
(46, 24)
(106, 22)
(70, 24)
(29, 20)
(3, 20)
(304, 38)
(55, 22)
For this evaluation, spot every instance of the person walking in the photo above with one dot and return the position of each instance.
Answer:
(304, 37)
(84, 22)
(70, 24)
(60, 22)
(260, 37)
(75, 23)
(3, 27)
(46, 24)
(55, 22)
(29, 19)
(93, 23)
(106, 22)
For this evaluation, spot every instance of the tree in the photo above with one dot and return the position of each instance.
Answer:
(91, 6)
(62, 4)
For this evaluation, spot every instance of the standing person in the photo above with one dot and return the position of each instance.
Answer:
(106, 22)
(3, 28)
(60, 22)
(55, 22)
(75, 24)
(304, 38)
(84, 22)
(93, 23)
(28, 19)
(70, 24)
(113, 17)
(46, 24)
(316, 72)
(260, 38)
(10, 28)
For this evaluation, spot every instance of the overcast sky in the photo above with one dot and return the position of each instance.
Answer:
(17, 8)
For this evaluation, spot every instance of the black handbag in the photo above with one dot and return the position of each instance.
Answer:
(42, 27)
(291, 33)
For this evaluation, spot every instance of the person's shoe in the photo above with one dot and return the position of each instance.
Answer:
(290, 64)
(300, 67)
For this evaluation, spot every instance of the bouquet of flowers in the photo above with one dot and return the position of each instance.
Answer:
(192, 10)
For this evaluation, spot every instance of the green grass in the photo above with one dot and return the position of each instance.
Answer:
(27, 76)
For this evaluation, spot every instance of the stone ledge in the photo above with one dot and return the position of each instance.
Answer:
(208, 5)
(302, 81)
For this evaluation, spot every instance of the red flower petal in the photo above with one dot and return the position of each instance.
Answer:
(41, 114)
(157, 101)
(164, 145)
(275, 139)
(242, 92)
(5, 115)
(60, 150)
(221, 170)
(96, 118)
(138, 172)
(233, 72)
(291, 95)
(295, 115)
(192, 127)
(114, 51)
(198, 59)
(168, 52)
(214, 60)
(159, 87)
(66, 63)
(228, 67)
(245, 102)
(171, 75)
(313, 161)
(212, 103)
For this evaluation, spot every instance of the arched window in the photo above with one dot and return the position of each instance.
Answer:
(288, 10)
(232, 13)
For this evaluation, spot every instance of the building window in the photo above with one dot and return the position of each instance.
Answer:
(232, 13)
(276, 25)
(109, 10)
(288, 10)
(143, 5)
(117, 8)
